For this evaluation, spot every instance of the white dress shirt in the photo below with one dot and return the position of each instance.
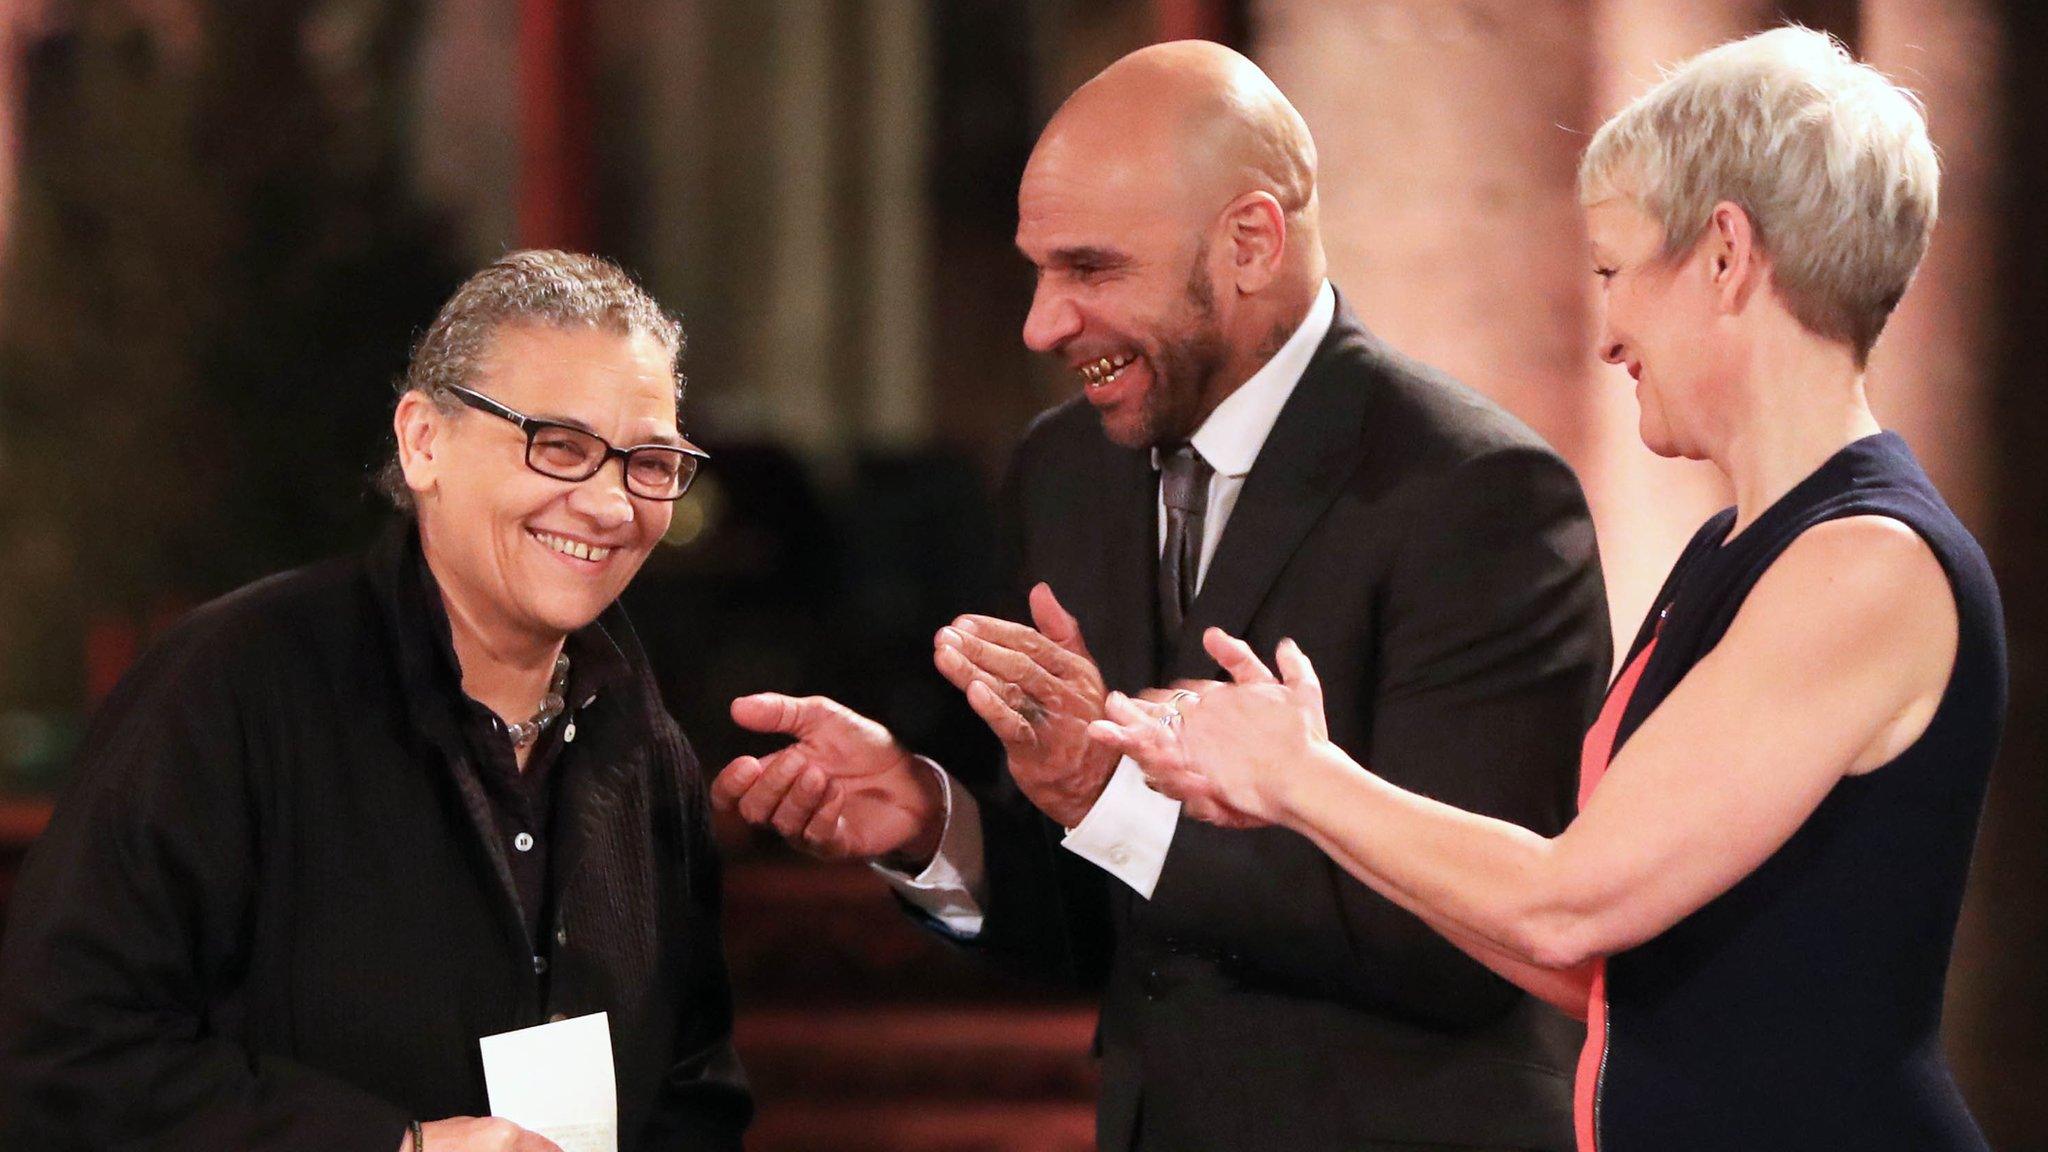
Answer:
(1130, 829)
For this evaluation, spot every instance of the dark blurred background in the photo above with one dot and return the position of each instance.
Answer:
(223, 223)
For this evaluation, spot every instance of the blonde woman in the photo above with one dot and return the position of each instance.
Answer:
(1755, 906)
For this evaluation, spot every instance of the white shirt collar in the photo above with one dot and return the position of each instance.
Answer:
(1231, 437)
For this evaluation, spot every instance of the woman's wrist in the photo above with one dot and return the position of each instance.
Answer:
(1302, 794)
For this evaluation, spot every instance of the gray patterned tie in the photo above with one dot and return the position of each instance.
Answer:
(1184, 488)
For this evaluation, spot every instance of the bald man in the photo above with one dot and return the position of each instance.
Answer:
(1242, 454)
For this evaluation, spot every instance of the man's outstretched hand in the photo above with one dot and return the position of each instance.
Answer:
(845, 789)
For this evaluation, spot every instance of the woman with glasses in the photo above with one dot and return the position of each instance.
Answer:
(343, 823)
(1755, 906)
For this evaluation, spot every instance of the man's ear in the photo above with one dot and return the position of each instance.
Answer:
(1735, 266)
(417, 423)
(1255, 231)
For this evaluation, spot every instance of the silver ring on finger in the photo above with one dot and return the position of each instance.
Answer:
(1170, 719)
(1173, 701)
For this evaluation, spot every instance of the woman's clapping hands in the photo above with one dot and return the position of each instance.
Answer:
(1223, 749)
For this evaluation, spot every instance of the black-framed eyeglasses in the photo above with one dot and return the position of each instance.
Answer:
(560, 452)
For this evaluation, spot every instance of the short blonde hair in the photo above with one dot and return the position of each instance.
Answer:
(1829, 158)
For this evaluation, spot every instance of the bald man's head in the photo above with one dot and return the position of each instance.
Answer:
(1170, 207)
(1210, 122)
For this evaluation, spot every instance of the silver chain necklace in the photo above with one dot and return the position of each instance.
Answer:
(551, 706)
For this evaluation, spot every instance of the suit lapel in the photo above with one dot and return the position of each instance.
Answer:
(424, 655)
(1121, 636)
(1313, 449)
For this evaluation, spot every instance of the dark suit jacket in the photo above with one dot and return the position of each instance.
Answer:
(274, 911)
(1436, 561)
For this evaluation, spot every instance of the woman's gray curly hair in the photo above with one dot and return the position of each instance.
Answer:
(536, 286)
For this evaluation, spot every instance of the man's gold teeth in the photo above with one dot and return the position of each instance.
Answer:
(1102, 370)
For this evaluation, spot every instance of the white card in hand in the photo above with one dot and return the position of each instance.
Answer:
(556, 1080)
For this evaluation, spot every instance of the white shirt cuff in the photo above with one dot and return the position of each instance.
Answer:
(1128, 831)
(949, 889)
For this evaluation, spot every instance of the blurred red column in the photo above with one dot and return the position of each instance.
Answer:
(1218, 20)
(555, 169)
(111, 644)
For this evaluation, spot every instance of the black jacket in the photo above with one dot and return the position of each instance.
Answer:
(272, 913)
(1436, 561)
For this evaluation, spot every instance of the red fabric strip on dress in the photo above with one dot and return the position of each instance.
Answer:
(1594, 756)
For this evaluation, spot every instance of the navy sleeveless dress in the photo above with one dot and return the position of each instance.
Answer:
(1802, 1008)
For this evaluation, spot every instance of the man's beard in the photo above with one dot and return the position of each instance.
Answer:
(1183, 366)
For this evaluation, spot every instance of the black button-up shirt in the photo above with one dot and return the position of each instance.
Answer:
(522, 801)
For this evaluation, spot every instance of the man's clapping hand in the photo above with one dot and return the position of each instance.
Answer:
(1038, 690)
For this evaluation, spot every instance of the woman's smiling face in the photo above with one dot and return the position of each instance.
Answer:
(1657, 320)
(520, 555)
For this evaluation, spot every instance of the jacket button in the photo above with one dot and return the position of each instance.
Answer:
(540, 965)
(561, 936)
